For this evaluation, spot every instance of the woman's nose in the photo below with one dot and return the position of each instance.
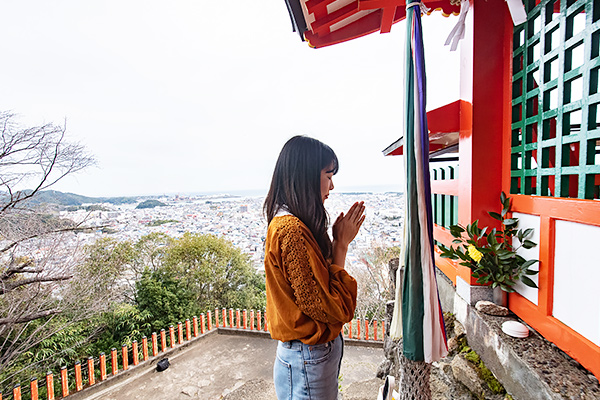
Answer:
(331, 184)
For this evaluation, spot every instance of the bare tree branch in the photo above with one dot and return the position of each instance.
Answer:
(23, 282)
(39, 252)
(28, 318)
(37, 156)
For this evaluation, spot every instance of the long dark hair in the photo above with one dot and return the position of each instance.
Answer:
(296, 186)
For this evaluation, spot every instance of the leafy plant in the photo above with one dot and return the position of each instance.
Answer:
(491, 255)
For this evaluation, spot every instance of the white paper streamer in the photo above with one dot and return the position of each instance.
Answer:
(517, 11)
(458, 32)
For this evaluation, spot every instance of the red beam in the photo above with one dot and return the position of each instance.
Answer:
(576, 210)
(449, 187)
(324, 24)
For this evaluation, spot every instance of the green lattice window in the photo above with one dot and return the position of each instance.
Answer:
(555, 148)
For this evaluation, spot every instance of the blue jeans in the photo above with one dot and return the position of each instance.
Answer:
(308, 372)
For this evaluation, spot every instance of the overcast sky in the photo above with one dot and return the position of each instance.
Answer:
(199, 96)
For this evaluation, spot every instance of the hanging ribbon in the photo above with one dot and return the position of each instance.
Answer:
(517, 11)
(458, 32)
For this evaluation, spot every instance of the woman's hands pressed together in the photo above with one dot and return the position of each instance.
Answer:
(345, 228)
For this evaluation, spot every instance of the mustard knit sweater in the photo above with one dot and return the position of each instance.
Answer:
(308, 299)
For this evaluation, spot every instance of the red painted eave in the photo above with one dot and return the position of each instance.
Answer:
(443, 124)
(328, 22)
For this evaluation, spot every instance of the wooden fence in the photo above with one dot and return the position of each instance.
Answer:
(87, 375)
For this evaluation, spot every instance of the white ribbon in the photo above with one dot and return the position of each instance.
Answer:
(458, 32)
(517, 11)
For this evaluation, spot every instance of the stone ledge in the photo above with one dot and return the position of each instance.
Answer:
(530, 368)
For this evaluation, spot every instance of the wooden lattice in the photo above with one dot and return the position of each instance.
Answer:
(555, 142)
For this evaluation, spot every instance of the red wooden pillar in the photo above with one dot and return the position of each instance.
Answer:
(125, 356)
(265, 317)
(114, 362)
(33, 389)
(154, 344)
(134, 352)
(145, 347)
(195, 324)
(17, 392)
(374, 329)
(78, 379)
(172, 335)
(64, 383)
(179, 333)
(50, 386)
(102, 366)
(350, 329)
(90, 367)
(483, 91)
(163, 340)
(188, 330)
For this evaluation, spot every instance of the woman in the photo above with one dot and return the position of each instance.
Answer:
(309, 293)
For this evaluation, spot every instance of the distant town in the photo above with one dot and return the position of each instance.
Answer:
(236, 218)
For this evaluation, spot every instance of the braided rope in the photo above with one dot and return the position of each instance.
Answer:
(414, 379)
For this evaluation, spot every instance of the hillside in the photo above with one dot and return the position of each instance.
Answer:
(72, 199)
(150, 204)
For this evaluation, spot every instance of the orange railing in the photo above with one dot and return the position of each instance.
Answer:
(357, 329)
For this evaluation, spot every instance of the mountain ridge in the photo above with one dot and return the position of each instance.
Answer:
(73, 199)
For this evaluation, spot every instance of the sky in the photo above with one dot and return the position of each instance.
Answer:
(180, 97)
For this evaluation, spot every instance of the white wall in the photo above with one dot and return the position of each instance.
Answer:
(576, 278)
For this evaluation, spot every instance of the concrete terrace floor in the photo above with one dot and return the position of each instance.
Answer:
(229, 365)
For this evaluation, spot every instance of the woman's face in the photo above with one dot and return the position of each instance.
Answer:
(326, 181)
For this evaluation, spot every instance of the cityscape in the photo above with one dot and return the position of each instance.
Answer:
(239, 219)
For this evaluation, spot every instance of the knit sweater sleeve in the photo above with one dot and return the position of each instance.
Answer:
(324, 292)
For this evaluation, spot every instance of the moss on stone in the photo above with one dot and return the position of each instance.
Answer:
(484, 373)
(473, 357)
(489, 378)
(463, 346)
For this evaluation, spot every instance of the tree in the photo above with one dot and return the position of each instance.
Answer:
(35, 157)
(160, 280)
(112, 260)
(374, 284)
(215, 271)
(164, 299)
(35, 261)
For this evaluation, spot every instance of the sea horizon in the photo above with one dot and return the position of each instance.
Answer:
(248, 192)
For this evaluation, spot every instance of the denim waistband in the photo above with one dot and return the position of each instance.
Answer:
(293, 344)
(297, 344)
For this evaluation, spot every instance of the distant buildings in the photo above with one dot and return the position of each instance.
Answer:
(238, 219)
